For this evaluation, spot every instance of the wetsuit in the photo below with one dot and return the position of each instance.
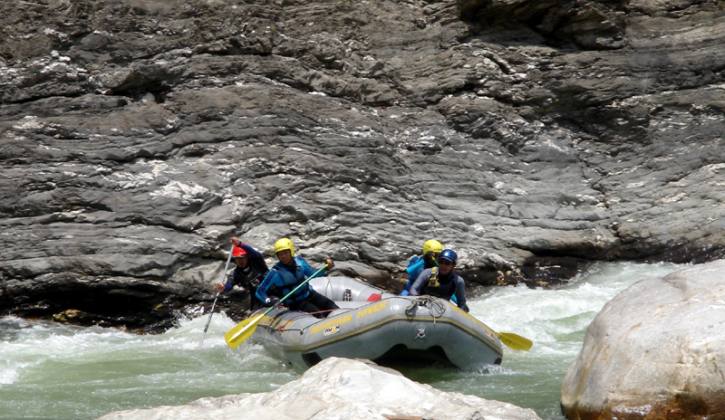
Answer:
(282, 279)
(250, 276)
(415, 266)
(431, 282)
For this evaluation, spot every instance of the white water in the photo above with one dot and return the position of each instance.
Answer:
(50, 370)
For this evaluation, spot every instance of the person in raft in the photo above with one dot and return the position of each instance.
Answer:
(249, 271)
(442, 281)
(418, 263)
(287, 274)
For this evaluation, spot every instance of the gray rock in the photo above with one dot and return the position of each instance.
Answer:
(136, 137)
(339, 389)
(656, 350)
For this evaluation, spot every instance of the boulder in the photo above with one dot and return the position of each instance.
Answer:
(657, 350)
(339, 388)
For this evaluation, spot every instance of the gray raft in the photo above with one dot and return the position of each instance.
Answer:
(376, 325)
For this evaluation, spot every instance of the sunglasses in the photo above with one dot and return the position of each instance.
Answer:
(444, 262)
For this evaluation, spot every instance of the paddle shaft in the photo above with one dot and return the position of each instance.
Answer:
(226, 267)
(258, 318)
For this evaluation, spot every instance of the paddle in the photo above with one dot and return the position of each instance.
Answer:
(226, 267)
(242, 331)
(514, 341)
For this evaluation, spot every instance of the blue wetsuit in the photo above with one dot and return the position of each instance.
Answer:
(282, 279)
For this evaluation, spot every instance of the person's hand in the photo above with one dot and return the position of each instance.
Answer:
(404, 278)
(271, 301)
(235, 241)
(219, 287)
(330, 264)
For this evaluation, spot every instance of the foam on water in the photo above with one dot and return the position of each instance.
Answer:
(8, 375)
(554, 317)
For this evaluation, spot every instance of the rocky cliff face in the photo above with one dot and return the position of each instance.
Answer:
(137, 135)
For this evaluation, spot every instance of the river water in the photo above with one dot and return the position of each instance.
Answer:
(56, 371)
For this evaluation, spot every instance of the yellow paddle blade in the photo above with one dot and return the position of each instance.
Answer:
(242, 331)
(515, 341)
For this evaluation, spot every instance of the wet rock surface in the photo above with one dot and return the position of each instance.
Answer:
(136, 136)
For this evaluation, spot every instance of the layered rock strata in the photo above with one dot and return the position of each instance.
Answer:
(136, 136)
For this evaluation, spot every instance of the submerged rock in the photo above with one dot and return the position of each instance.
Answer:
(657, 350)
(339, 388)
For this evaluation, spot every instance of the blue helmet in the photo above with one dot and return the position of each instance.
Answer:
(448, 255)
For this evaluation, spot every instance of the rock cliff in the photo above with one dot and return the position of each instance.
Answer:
(532, 136)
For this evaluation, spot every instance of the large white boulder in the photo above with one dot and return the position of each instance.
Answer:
(657, 350)
(342, 389)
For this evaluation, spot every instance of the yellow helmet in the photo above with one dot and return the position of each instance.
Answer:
(431, 245)
(284, 244)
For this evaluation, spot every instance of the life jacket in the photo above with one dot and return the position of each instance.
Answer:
(416, 265)
(247, 277)
(436, 288)
(433, 279)
(287, 280)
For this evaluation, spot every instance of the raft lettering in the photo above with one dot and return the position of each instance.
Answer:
(371, 309)
(331, 330)
(330, 324)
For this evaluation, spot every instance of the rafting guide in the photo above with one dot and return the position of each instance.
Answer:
(442, 281)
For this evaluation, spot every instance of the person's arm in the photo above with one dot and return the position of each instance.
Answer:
(419, 284)
(263, 288)
(256, 259)
(307, 269)
(414, 269)
(304, 267)
(406, 286)
(460, 293)
(227, 285)
(230, 282)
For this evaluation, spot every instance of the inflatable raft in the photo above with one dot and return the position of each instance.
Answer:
(379, 326)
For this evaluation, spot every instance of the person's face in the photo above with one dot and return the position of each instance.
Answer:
(285, 256)
(445, 266)
(241, 262)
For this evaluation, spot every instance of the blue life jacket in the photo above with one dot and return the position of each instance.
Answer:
(282, 279)
(416, 265)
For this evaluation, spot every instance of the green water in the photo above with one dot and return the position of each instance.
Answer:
(60, 372)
